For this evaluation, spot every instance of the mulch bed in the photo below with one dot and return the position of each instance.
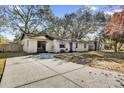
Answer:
(110, 61)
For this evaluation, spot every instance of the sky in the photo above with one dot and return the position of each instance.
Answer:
(60, 11)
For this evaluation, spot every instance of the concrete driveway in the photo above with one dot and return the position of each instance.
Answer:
(42, 70)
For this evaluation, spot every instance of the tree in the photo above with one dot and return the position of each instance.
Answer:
(27, 19)
(85, 22)
(115, 29)
(4, 40)
(75, 25)
(100, 16)
(69, 27)
(92, 22)
(55, 27)
(78, 25)
(100, 20)
(3, 20)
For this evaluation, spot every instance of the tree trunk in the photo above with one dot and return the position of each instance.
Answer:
(115, 47)
(119, 46)
(95, 43)
(71, 45)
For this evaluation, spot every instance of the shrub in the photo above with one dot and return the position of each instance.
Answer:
(121, 49)
(62, 51)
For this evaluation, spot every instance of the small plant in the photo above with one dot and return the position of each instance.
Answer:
(62, 51)
(121, 49)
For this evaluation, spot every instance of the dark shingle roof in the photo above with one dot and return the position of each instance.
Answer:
(51, 37)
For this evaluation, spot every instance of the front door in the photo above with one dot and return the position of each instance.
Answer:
(41, 46)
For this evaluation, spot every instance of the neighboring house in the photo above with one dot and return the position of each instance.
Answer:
(46, 43)
(122, 46)
(100, 46)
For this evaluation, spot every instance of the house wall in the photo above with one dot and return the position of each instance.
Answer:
(74, 46)
(67, 46)
(32, 46)
(24, 44)
(29, 45)
(105, 46)
(80, 47)
(122, 46)
(102, 47)
(49, 46)
(57, 43)
(91, 46)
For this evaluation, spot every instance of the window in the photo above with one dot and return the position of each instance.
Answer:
(76, 45)
(85, 45)
(62, 46)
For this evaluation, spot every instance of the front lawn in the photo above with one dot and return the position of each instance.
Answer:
(104, 60)
(2, 62)
(12, 54)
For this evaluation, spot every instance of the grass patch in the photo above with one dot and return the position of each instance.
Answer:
(121, 49)
(104, 60)
(12, 54)
(2, 62)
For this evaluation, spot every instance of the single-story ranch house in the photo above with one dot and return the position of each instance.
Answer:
(46, 43)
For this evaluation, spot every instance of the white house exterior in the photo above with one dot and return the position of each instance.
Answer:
(122, 46)
(45, 43)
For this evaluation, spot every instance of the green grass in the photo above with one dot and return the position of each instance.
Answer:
(2, 61)
(121, 49)
(12, 54)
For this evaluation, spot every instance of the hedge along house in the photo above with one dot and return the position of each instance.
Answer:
(45, 43)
